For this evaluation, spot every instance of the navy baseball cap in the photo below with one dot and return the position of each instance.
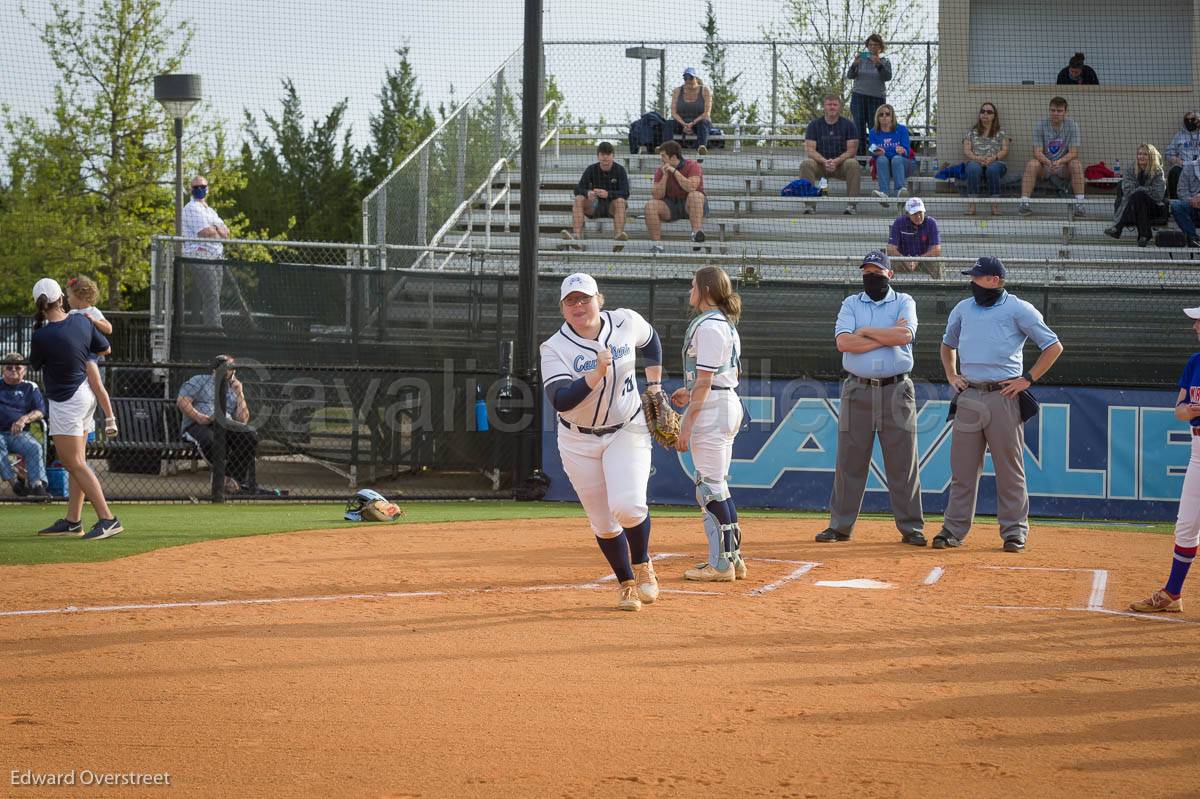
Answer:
(987, 266)
(878, 258)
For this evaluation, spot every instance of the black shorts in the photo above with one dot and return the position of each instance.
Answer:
(597, 207)
(678, 208)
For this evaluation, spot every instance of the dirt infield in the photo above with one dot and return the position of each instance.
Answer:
(481, 686)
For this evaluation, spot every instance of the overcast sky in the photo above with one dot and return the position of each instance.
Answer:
(334, 50)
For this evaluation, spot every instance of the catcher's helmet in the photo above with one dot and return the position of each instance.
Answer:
(371, 506)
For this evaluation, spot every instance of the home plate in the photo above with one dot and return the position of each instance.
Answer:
(859, 583)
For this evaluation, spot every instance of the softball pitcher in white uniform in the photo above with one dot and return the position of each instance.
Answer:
(711, 359)
(589, 374)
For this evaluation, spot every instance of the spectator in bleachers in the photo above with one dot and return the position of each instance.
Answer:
(1077, 73)
(197, 403)
(602, 191)
(1056, 143)
(691, 111)
(914, 234)
(200, 221)
(869, 71)
(1143, 190)
(891, 147)
(1182, 150)
(677, 192)
(985, 147)
(830, 143)
(1186, 209)
(21, 403)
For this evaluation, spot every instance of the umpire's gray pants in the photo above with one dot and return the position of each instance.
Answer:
(208, 279)
(892, 412)
(987, 418)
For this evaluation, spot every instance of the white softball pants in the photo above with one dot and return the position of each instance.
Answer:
(1187, 524)
(717, 424)
(609, 474)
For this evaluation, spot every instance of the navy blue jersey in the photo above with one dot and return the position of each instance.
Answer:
(61, 350)
(18, 400)
(1189, 381)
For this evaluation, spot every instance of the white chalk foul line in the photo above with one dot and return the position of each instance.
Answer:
(934, 575)
(1099, 585)
(1127, 613)
(795, 574)
(214, 603)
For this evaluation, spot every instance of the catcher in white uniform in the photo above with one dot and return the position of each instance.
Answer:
(589, 374)
(711, 358)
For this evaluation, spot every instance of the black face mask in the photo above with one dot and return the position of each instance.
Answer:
(1191, 125)
(985, 296)
(876, 285)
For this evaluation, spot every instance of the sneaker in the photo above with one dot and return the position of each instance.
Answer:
(647, 582)
(1143, 241)
(915, 539)
(883, 198)
(619, 241)
(698, 236)
(828, 536)
(64, 528)
(1079, 209)
(657, 249)
(739, 567)
(1159, 602)
(1014, 545)
(944, 540)
(902, 193)
(103, 528)
(810, 209)
(702, 150)
(704, 573)
(19, 488)
(1113, 232)
(39, 492)
(1024, 210)
(1193, 243)
(851, 210)
(628, 599)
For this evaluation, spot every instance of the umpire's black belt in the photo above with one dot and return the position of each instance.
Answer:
(879, 381)
(986, 386)
(598, 431)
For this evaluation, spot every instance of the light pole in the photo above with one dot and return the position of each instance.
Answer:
(642, 53)
(177, 94)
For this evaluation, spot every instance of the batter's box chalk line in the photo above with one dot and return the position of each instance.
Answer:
(802, 568)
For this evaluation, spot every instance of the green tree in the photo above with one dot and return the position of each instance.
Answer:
(726, 105)
(403, 122)
(299, 179)
(86, 191)
(834, 33)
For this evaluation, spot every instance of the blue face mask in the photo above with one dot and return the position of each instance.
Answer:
(199, 192)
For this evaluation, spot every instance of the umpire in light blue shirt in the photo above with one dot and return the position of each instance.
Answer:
(874, 332)
(985, 336)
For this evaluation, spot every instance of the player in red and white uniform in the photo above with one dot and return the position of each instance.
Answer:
(589, 375)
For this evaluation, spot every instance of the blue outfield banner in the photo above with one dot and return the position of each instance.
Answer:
(1091, 453)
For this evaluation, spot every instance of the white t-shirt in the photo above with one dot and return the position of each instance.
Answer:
(91, 312)
(196, 217)
(713, 346)
(566, 356)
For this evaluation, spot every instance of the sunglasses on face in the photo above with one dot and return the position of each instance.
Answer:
(885, 113)
(986, 111)
(12, 368)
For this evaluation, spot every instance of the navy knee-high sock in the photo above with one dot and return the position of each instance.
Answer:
(639, 540)
(616, 551)
(720, 510)
(731, 509)
(1179, 569)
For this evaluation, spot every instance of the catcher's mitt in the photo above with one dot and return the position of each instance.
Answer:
(661, 418)
(371, 506)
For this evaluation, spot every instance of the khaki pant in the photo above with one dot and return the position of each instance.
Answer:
(849, 171)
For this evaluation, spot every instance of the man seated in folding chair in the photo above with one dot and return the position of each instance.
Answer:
(21, 404)
(197, 403)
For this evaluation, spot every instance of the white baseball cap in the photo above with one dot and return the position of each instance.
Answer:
(914, 205)
(584, 284)
(49, 287)
(1193, 312)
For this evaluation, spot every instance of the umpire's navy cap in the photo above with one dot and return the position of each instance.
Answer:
(987, 266)
(878, 258)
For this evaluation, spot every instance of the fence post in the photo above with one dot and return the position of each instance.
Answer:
(928, 85)
(662, 83)
(498, 117)
(460, 173)
(774, 86)
(643, 62)
(423, 198)
(381, 208)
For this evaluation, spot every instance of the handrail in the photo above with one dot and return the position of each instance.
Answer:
(462, 108)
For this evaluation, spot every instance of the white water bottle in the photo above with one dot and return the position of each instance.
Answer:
(1117, 167)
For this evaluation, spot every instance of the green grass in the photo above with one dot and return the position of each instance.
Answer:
(149, 527)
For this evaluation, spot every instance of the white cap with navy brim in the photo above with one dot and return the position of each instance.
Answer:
(49, 288)
(583, 283)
